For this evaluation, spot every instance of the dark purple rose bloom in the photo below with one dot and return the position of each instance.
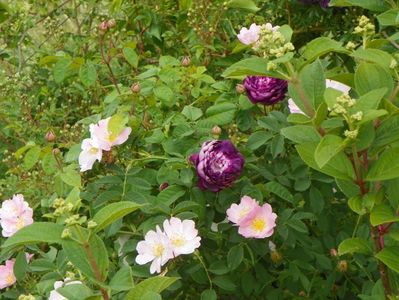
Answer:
(218, 165)
(322, 3)
(265, 90)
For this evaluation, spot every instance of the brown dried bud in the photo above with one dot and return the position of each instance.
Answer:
(333, 252)
(186, 61)
(240, 88)
(276, 257)
(135, 87)
(216, 130)
(103, 26)
(111, 23)
(56, 151)
(302, 294)
(342, 266)
(163, 186)
(50, 136)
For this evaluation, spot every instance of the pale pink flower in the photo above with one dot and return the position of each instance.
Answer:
(105, 140)
(15, 214)
(237, 213)
(249, 36)
(156, 247)
(7, 277)
(260, 225)
(182, 235)
(294, 109)
(90, 153)
(269, 26)
(54, 295)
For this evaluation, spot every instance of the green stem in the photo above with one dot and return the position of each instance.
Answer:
(205, 268)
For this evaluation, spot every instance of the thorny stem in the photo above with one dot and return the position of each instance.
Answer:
(377, 232)
(107, 60)
(205, 268)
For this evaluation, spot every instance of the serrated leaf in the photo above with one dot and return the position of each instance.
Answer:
(390, 257)
(301, 134)
(386, 167)
(88, 74)
(221, 114)
(235, 257)
(354, 245)
(31, 157)
(382, 214)
(154, 284)
(280, 190)
(131, 57)
(258, 139)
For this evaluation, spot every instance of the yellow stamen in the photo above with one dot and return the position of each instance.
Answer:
(258, 224)
(20, 223)
(10, 279)
(158, 250)
(93, 150)
(178, 242)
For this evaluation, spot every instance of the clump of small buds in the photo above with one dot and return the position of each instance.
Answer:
(272, 43)
(365, 27)
(61, 207)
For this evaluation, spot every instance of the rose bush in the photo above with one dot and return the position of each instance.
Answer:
(199, 150)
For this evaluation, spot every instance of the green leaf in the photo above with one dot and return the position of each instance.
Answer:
(297, 225)
(390, 257)
(116, 125)
(389, 18)
(165, 95)
(250, 66)
(113, 212)
(329, 146)
(339, 166)
(75, 291)
(224, 282)
(20, 266)
(169, 195)
(88, 74)
(374, 5)
(235, 257)
(38, 232)
(258, 138)
(382, 58)
(71, 177)
(387, 132)
(244, 4)
(151, 296)
(385, 167)
(131, 57)
(354, 245)
(369, 76)
(31, 157)
(221, 114)
(321, 46)
(192, 113)
(280, 190)
(122, 280)
(369, 101)
(301, 134)
(355, 203)
(91, 258)
(382, 214)
(208, 295)
(61, 69)
(155, 284)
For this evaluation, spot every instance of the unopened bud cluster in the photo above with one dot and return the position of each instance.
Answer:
(61, 207)
(272, 43)
(351, 134)
(26, 297)
(343, 103)
(365, 27)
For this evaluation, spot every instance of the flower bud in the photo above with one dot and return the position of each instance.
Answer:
(276, 257)
(186, 61)
(240, 88)
(342, 266)
(216, 130)
(66, 234)
(50, 136)
(163, 186)
(302, 294)
(56, 151)
(91, 224)
(333, 252)
(111, 23)
(103, 26)
(135, 87)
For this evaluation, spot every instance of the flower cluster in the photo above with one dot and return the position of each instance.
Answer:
(265, 39)
(15, 214)
(253, 220)
(100, 140)
(218, 165)
(265, 90)
(365, 27)
(179, 237)
(54, 295)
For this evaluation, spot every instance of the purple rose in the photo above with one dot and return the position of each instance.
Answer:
(218, 165)
(265, 90)
(322, 3)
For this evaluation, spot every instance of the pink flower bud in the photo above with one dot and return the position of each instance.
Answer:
(50, 136)
(103, 26)
(163, 186)
(135, 87)
(240, 88)
(333, 252)
(186, 61)
(216, 130)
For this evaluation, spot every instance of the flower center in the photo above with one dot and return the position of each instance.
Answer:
(178, 241)
(258, 224)
(93, 150)
(10, 279)
(20, 223)
(158, 250)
